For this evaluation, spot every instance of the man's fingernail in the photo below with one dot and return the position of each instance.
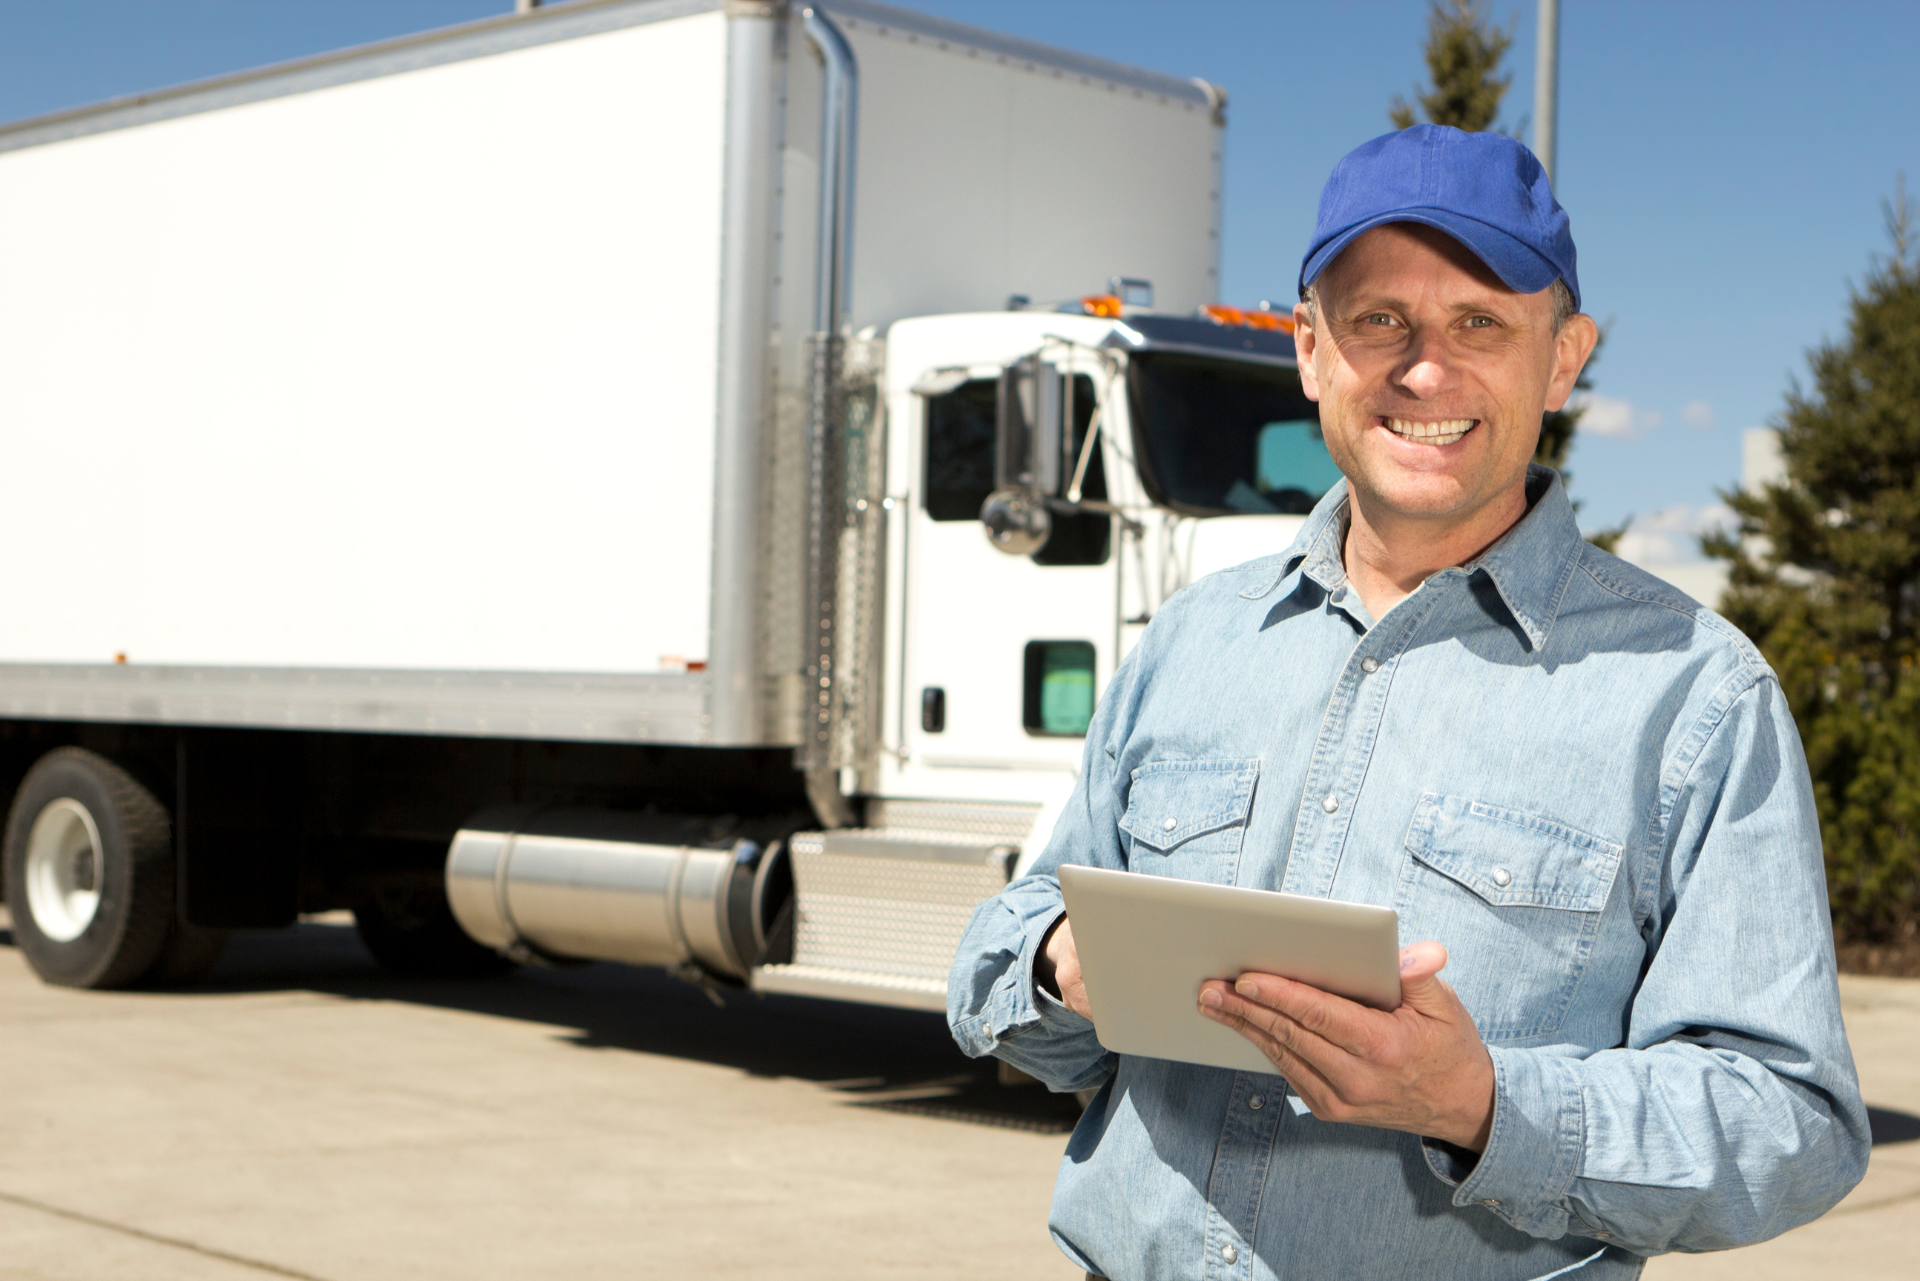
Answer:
(1245, 987)
(1210, 996)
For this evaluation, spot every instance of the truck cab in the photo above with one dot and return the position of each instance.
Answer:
(1052, 478)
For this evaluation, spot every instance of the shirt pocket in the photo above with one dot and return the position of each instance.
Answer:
(1517, 899)
(1187, 818)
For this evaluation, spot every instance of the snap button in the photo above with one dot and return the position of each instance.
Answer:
(1257, 1101)
(1501, 877)
(1331, 804)
(1170, 824)
(1369, 665)
(1228, 1253)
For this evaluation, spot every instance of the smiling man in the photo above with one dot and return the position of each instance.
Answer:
(1580, 790)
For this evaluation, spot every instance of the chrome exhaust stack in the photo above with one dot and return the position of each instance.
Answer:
(645, 889)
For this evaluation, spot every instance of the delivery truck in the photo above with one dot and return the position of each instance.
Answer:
(661, 481)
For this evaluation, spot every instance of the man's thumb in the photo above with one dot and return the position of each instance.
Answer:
(1420, 966)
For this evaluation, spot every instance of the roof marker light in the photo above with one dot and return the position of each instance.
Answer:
(1221, 314)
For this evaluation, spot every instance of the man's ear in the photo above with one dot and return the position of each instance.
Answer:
(1571, 347)
(1305, 340)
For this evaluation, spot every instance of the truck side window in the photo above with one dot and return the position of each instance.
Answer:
(959, 454)
(960, 449)
(1058, 689)
(1087, 537)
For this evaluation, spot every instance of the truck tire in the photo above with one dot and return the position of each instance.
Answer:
(403, 917)
(89, 871)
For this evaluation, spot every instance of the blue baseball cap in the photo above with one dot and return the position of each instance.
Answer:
(1484, 189)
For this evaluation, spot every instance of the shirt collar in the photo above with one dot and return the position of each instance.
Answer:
(1530, 565)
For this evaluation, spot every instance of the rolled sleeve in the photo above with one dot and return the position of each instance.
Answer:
(995, 1006)
(1533, 1148)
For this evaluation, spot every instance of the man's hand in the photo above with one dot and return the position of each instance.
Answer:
(1422, 1068)
(1057, 969)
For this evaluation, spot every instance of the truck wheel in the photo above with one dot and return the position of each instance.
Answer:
(89, 871)
(405, 921)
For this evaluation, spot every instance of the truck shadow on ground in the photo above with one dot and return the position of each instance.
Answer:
(888, 1060)
(891, 1060)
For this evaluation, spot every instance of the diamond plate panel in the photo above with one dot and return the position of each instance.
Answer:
(897, 917)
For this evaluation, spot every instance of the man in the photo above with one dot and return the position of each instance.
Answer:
(1581, 791)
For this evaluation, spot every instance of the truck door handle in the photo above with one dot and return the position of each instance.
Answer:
(933, 709)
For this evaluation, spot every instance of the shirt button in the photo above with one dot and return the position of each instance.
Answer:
(1501, 877)
(1170, 824)
(1256, 1102)
(1369, 665)
(1228, 1253)
(1331, 804)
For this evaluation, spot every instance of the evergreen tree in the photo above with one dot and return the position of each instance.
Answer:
(1464, 49)
(1464, 52)
(1826, 580)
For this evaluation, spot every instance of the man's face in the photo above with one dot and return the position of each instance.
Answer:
(1432, 375)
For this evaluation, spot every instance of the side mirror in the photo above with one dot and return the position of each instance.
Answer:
(1026, 457)
(1027, 434)
(1017, 520)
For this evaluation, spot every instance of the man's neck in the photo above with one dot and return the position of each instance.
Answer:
(1387, 556)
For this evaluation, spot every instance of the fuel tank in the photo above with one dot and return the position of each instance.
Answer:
(647, 889)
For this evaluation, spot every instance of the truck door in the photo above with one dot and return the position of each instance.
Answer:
(1003, 653)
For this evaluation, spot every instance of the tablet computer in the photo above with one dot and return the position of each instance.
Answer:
(1147, 943)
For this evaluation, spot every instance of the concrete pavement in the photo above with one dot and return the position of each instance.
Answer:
(305, 1116)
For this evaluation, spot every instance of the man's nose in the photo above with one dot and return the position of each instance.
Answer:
(1425, 374)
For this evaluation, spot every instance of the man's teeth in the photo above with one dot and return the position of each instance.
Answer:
(1444, 432)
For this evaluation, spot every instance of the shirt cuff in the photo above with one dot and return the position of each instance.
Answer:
(1533, 1148)
(1017, 1000)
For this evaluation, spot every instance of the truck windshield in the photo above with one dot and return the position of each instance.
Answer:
(1223, 437)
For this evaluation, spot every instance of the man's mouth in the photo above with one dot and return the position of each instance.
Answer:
(1443, 432)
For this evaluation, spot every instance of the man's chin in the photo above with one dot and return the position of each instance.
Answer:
(1427, 496)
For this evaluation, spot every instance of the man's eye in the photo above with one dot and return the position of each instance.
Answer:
(1479, 322)
(1379, 318)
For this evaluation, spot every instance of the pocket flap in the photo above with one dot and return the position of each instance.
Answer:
(1171, 802)
(1511, 858)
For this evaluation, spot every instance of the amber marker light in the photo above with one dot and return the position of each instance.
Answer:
(1106, 306)
(1252, 318)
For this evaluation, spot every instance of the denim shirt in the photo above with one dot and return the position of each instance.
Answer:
(1584, 784)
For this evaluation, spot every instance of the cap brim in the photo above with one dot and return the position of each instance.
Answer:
(1519, 267)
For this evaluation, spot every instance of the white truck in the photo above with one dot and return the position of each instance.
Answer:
(644, 480)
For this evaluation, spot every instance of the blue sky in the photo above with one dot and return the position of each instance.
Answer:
(1723, 164)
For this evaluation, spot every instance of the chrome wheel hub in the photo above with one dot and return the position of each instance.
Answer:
(63, 870)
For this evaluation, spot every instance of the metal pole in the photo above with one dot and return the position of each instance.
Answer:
(525, 6)
(1546, 77)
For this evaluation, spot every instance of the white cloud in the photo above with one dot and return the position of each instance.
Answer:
(1698, 413)
(1614, 418)
(1671, 536)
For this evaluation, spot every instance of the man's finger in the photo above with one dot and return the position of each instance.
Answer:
(1330, 1062)
(1351, 1026)
(1306, 1079)
(1421, 988)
